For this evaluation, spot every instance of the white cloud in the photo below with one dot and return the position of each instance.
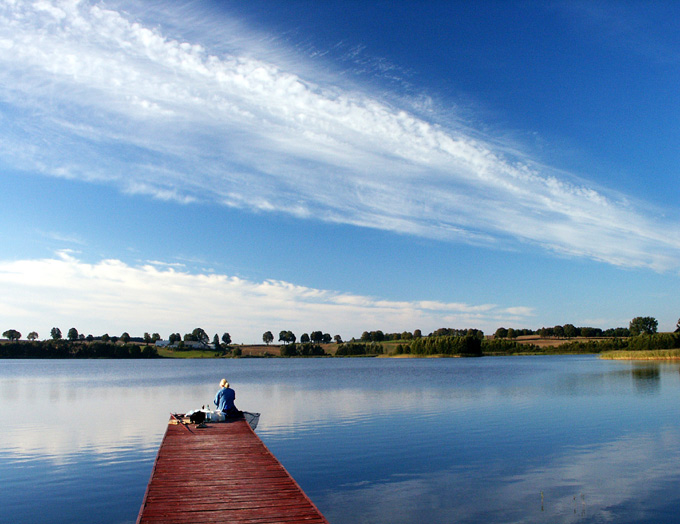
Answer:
(120, 101)
(111, 297)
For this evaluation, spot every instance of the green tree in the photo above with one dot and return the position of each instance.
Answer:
(287, 337)
(226, 338)
(417, 333)
(155, 338)
(316, 337)
(338, 339)
(200, 335)
(569, 330)
(72, 334)
(106, 337)
(32, 336)
(501, 332)
(125, 338)
(267, 337)
(587, 332)
(216, 342)
(677, 327)
(326, 339)
(643, 325)
(149, 351)
(55, 333)
(289, 351)
(12, 335)
(305, 338)
(147, 338)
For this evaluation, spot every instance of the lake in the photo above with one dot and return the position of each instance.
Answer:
(552, 439)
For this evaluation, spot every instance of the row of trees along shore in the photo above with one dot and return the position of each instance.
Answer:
(78, 345)
(637, 326)
(640, 335)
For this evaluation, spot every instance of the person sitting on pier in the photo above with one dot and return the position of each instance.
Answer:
(224, 400)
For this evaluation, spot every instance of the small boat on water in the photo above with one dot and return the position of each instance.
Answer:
(207, 416)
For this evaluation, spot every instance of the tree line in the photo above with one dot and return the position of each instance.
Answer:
(467, 346)
(641, 333)
(200, 336)
(73, 336)
(451, 345)
(288, 337)
(637, 326)
(303, 349)
(69, 349)
(641, 342)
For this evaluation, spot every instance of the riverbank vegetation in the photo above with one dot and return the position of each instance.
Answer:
(446, 345)
(662, 345)
(638, 340)
(68, 349)
(359, 349)
(659, 345)
(657, 354)
(306, 349)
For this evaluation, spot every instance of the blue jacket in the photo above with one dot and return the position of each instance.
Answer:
(224, 400)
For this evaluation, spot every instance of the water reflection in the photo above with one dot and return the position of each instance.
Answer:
(647, 378)
(380, 441)
(601, 483)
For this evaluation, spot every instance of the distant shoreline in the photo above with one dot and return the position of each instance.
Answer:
(661, 346)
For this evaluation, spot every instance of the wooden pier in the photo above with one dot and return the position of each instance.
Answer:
(222, 473)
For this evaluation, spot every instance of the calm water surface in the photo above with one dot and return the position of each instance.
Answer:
(492, 440)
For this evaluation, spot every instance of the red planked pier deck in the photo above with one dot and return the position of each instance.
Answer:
(222, 473)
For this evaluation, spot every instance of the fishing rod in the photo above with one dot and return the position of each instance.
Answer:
(181, 422)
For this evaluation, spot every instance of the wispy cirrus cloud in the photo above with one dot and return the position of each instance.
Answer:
(92, 92)
(112, 296)
(63, 237)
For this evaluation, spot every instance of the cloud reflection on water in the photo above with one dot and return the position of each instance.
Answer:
(602, 483)
(111, 408)
(372, 441)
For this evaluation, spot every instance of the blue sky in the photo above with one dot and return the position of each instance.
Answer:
(338, 166)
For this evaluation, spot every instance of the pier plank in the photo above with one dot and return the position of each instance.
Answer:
(222, 473)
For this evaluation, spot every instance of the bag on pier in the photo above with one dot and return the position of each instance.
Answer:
(197, 417)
